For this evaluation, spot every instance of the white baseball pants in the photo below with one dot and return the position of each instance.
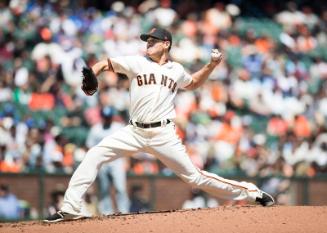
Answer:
(165, 145)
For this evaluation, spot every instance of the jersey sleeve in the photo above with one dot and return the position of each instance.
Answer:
(124, 64)
(185, 79)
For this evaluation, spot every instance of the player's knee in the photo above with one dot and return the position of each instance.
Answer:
(92, 152)
(95, 154)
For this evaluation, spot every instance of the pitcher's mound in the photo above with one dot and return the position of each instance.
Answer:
(223, 219)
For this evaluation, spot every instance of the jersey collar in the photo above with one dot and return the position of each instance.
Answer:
(168, 64)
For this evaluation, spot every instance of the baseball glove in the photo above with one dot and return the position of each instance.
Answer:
(90, 82)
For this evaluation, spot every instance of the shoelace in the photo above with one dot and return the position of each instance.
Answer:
(61, 214)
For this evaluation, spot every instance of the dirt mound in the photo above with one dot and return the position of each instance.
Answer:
(223, 219)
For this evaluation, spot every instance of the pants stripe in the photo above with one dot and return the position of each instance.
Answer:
(225, 182)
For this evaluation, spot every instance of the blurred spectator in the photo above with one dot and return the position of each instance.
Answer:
(277, 126)
(138, 202)
(198, 199)
(91, 202)
(301, 127)
(279, 188)
(111, 175)
(9, 204)
(163, 15)
(57, 197)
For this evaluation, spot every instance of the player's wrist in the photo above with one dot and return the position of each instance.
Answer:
(212, 64)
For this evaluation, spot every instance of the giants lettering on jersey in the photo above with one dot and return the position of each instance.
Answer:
(148, 79)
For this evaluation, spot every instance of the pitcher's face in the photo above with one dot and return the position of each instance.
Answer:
(156, 47)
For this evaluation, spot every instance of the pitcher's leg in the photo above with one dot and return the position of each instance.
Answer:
(173, 154)
(121, 143)
(82, 179)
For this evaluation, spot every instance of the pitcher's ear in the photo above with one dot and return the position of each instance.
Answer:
(168, 44)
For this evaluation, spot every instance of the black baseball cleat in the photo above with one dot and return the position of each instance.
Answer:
(62, 216)
(265, 200)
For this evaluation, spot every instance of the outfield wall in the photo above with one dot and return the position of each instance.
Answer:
(161, 192)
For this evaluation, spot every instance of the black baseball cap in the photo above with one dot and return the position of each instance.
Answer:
(158, 33)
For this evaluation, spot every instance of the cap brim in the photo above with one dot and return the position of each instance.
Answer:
(144, 37)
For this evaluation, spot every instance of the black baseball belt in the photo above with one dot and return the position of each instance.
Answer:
(149, 125)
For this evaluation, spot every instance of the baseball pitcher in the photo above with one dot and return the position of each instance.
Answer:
(154, 81)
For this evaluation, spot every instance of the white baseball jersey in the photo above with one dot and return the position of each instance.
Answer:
(153, 87)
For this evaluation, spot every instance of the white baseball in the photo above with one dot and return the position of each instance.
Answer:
(216, 55)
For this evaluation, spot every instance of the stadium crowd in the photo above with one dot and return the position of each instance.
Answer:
(262, 112)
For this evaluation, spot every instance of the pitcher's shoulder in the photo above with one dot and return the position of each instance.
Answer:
(177, 66)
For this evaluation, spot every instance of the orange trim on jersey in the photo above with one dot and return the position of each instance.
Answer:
(110, 67)
(225, 182)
